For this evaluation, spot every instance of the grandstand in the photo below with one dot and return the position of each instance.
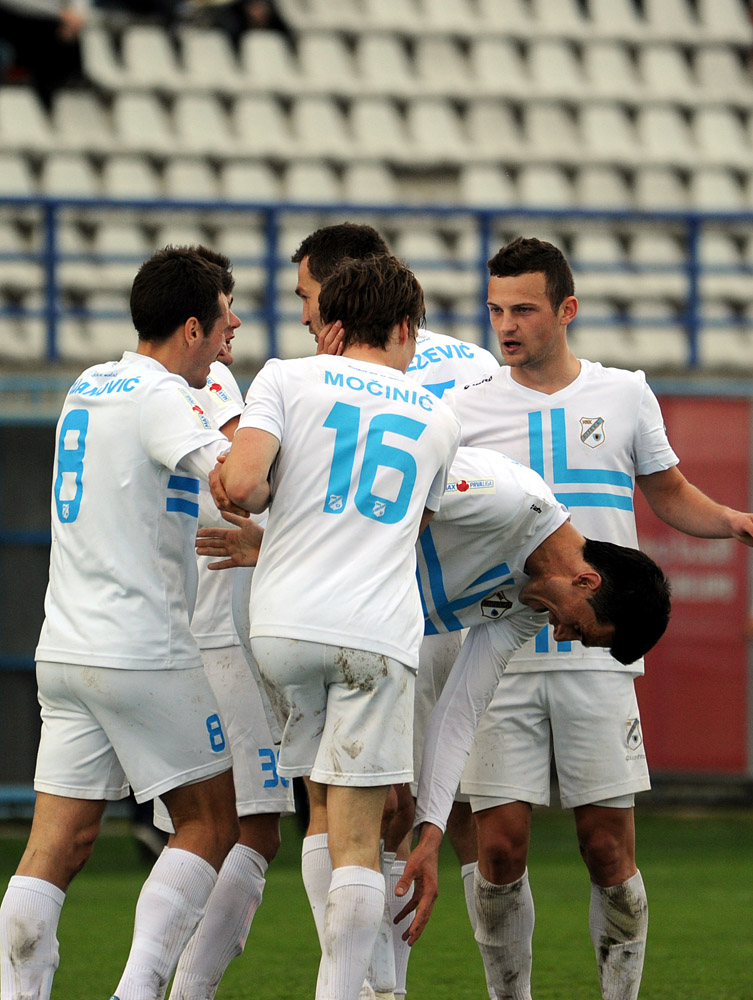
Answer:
(622, 130)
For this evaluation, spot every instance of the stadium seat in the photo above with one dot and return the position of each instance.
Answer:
(667, 74)
(18, 271)
(435, 131)
(658, 336)
(608, 134)
(379, 131)
(261, 127)
(599, 186)
(493, 132)
(209, 62)
(722, 274)
(616, 19)
(400, 16)
(268, 65)
(660, 189)
(432, 260)
(597, 336)
(498, 69)
(721, 138)
(75, 271)
(81, 122)
(248, 180)
(611, 72)
(555, 70)
(551, 133)
(664, 137)
(441, 68)
(601, 265)
(320, 129)
(334, 15)
(660, 260)
(69, 175)
(723, 76)
(246, 246)
(311, 182)
(119, 246)
(450, 17)
(383, 66)
(149, 59)
(545, 186)
(513, 15)
(99, 61)
(24, 124)
(16, 175)
(24, 337)
(142, 125)
(716, 189)
(486, 186)
(560, 19)
(190, 179)
(671, 21)
(126, 176)
(725, 21)
(370, 183)
(201, 125)
(327, 65)
(722, 344)
(109, 330)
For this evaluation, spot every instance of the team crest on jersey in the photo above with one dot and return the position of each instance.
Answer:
(335, 502)
(472, 486)
(495, 605)
(633, 734)
(592, 431)
(379, 508)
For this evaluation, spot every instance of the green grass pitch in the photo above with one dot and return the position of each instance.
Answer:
(698, 870)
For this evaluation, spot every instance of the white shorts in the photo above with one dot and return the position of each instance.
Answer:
(436, 658)
(589, 718)
(347, 714)
(104, 729)
(258, 787)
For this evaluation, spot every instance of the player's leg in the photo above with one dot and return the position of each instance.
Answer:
(261, 795)
(62, 835)
(601, 763)
(503, 786)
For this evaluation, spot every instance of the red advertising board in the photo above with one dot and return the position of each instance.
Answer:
(694, 697)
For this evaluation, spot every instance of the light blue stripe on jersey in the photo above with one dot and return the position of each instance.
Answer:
(542, 642)
(617, 500)
(436, 584)
(564, 474)
(536, 442)
(181, 505)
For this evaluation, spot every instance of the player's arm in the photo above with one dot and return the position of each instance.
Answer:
(244, 475)
(232, 546)
(684, 507)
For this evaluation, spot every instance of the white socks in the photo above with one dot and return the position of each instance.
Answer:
(316, 869)
(355, 905)
(467, 873)
(29, 918)
(382, 969)
(170, 905)
(400, 947)
(224, 928)
(504, 933)
(618, 921)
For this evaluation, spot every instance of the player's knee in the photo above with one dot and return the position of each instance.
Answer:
(605, 856)
(502, 854)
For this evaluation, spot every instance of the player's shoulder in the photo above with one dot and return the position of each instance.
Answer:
(598, 374)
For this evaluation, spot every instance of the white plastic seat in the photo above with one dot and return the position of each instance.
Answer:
(498, 68)
(436, 131)
(320, 126)
(69, 175)
(487, 186)
(600, 265)
(379, 130)
(249, 181)
(449, 17)
(24, 124)
(671, 20)
(16, 177)
(725, 21)
(293, 340)
(209, 62)
(660, 189)
(326, 65)
(610, 71)
(665, 137)
(81, 122)
(334, 15)
(616, 19)
(109, 331)
(261, 127)
(551, 133)
(74, 249)
(722, 344)
(431, 260)
(23, 337)
(149, 60)
(311, 183)
(130, 177)
(597, 335)
(383, 66)
(666, 73)
(99, 61)
(555, 70)
(659, 339)
(715, 189)
(659, 258)
(442, 68)
(493, 132)
(545, 186)
(559, 18)
(268, 64)
(201, 125)
(723, 76)
(119, 247)
(721, 263)
(246, 246)
(17, 270)
(190, 179)
(513, 15)
(370, 183)
(142, 124)
(392, 15)
(598, 186)
(608, 134)
(721, 138)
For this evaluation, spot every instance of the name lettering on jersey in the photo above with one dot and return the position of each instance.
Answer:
(443, 352)
(592, 431)
(201, 418)
(82, 388)
(401, 394)
(472, 486)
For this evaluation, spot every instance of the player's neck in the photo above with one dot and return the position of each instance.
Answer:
(550, 375)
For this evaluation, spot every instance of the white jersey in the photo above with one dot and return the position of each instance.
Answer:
(124, 516)
(362, 451)
(442, 362)
(212, 622)
(472, 555)
(588, 441)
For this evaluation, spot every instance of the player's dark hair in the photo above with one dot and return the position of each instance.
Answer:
(326, 247)
(634, 597)
(529, 255)
(370, 296)
(175, 284)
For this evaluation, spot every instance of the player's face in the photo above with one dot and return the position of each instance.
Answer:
(530, 332)
(226, 350)
(207, 348)
(307, 290)
(570, 613)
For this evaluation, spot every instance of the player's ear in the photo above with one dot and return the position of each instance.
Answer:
(569, 309)
(192, 330)
(589, 579)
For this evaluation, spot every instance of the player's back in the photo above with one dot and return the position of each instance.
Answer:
(441, 362)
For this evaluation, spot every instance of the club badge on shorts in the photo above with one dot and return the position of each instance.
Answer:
(633, 734)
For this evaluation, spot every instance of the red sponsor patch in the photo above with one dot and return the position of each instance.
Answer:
(463, 486)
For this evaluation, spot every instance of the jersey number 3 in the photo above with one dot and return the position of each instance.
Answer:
(345, 419)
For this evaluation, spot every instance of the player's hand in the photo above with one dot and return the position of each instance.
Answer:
(220, 497)
(741, 526)
(234, 547)
(421, 869)
(330, 339)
